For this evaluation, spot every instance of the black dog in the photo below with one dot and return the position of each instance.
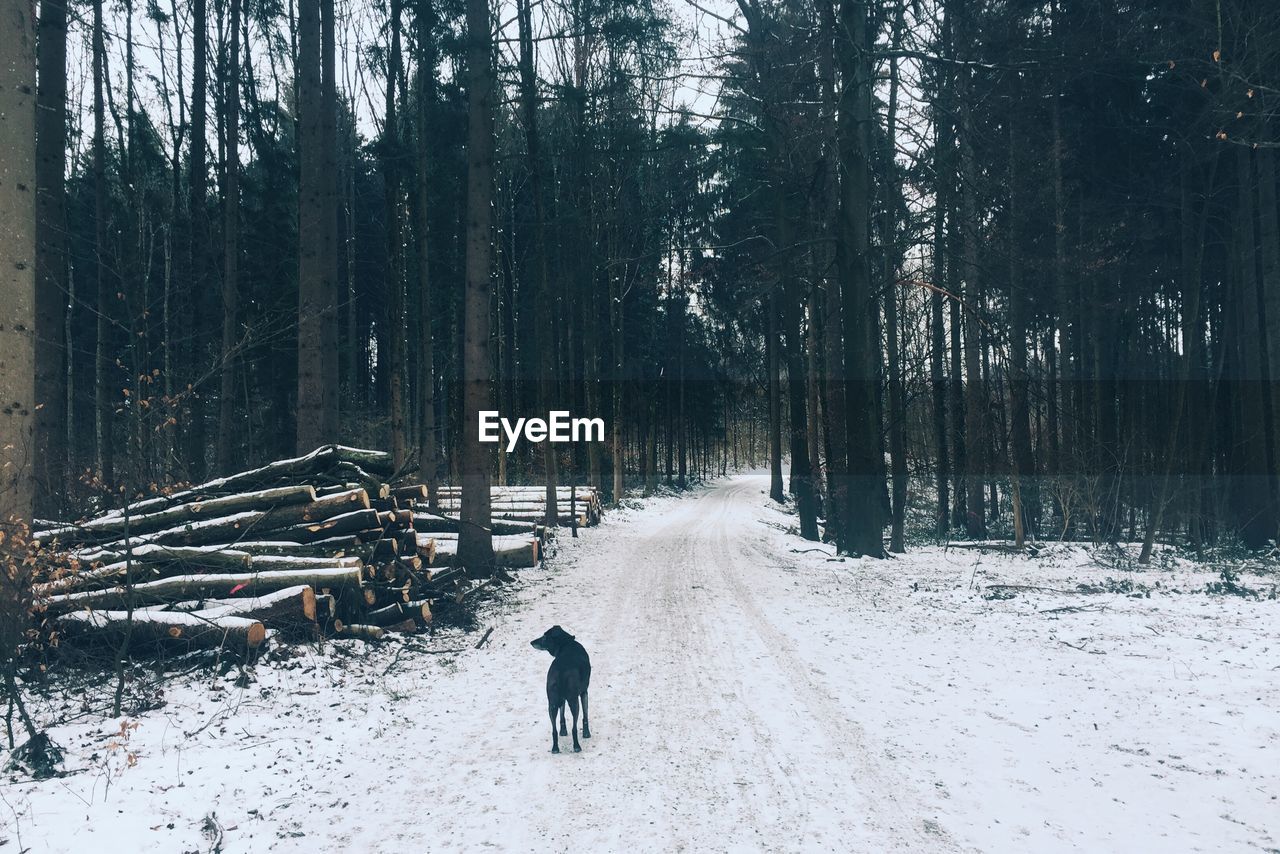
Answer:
(567, 681)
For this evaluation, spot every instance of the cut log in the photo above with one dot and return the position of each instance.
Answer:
(261, 563)
(298, 603)
(183, 587)
(431, 523)
(516, 552)
(582, 519)
(335, 546)
(399, 611)
(527, 489)
(357, 474)
(291, 611)
(84, 580)
(151, 627)
(251, 524)
(118, 573)
(310, 532)
(111, 527)
(446, 578)
(356, 630)
(217, 558)
(417, 492)
(272, 474)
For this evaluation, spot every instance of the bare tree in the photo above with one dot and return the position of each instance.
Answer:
(17, 290)
(51, 257)
(230, 249)
(475, 544)
(317, 407)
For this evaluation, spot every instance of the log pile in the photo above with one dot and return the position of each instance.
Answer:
(322, 544)
(580, 505)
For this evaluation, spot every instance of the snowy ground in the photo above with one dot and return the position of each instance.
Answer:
(745, 695)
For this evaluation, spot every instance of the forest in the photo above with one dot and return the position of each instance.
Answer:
(920, 367)
(969, 268)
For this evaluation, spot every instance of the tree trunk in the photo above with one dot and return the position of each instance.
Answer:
(328, 194)
(938, 341)
(230, 251)
(197, 254)
(866, 516)
(1026, 505)
(792, 295)
(104, 445)
(475, 548)
(1188, 397)
(893, 262)
(18, 291)
(1251, 493)
(428, 453)
(544, 333)
(51, 261)
(1270, 233)
(775, 405)
(976, 452)
(317, 411)
(834, 405)
(390, 149)
(1061, 449)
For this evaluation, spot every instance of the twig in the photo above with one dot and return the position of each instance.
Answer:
(1029, 587)
(484, 637)
(1068, 609)
(1082, 649)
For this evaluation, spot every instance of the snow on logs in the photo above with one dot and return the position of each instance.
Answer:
(298, 547)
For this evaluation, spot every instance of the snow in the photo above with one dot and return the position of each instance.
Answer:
(748, 692)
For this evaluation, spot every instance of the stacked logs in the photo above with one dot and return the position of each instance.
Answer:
(317, 545)
(574, 505)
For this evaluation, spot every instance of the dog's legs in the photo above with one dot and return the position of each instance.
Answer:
(573, 707)
(586, 727)
(555, 742)
(563, 731)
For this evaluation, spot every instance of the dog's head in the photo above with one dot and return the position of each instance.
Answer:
(552, 639)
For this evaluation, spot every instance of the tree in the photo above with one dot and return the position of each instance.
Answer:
(544, 342)
(317, 405)
(395, 243)
(475, 545)
(230, 249)
(428, 440)
(865, 520)
(17, 288)
(51, 259)
(197, 254)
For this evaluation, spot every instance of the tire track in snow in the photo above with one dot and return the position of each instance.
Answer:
(886, 796)
(771, 730)
(709, 733)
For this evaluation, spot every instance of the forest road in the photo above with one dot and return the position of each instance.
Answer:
(712, 728)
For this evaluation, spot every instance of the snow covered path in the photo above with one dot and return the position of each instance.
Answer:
(710, 727)
(748, 693)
